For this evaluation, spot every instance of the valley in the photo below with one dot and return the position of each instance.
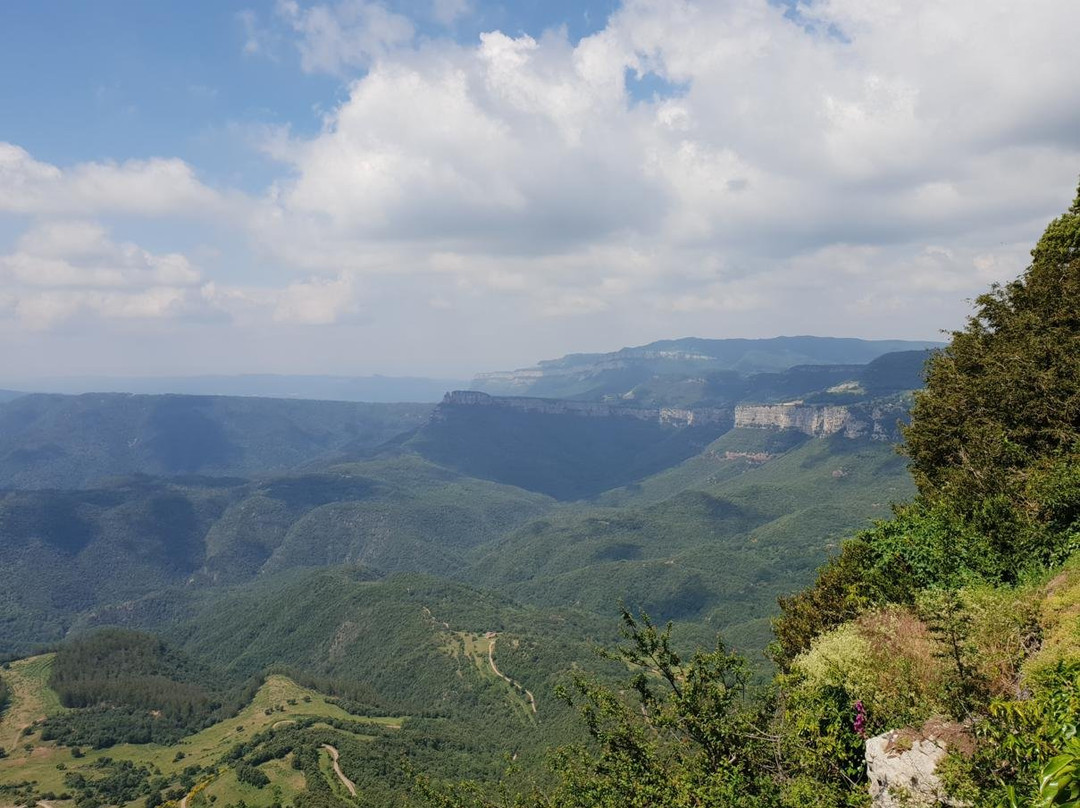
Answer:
(318, 591)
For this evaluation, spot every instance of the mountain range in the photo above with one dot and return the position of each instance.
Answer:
(681, 369)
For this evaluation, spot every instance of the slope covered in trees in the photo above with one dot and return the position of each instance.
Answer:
(56, 441)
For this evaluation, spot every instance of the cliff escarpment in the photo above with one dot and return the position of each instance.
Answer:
(565, 449)
(877, 420)
(665, 416)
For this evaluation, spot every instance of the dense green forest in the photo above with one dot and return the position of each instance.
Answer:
(127, 687)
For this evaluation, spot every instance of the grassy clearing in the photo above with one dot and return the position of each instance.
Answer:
(475, 648)
(285, 784)
(31, 698)
(278, 702)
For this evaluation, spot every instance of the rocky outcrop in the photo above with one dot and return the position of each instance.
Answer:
(876, 420)
(815, 421)
(666, 416)
(901, 765)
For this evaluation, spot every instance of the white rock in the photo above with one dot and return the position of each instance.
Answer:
(902, 774)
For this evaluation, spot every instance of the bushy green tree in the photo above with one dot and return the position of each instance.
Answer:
(682, 732)
(995, 434)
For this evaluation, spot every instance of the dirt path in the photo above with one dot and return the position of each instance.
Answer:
(507, 679)
(345, 781)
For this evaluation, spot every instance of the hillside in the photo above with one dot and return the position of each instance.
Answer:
(715, 539)
(54, 441)
(63, 553)
(537, 515)
(281, 715)
(935, 660)
(394, 668)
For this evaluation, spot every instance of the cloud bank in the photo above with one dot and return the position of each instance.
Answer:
(838, 166)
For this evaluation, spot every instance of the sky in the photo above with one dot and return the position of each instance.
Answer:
(441, 187)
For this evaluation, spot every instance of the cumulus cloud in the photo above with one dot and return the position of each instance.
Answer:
(70, 269)
(845, 166)
(844, 123)
(80, 254)
(154, 187)
(63, 270)
(312, 301)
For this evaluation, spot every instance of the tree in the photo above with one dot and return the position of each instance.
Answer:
(996, 431)
(681, 733)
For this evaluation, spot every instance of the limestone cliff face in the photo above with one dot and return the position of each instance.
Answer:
(877, 420)
(815, 421)
(667, 416)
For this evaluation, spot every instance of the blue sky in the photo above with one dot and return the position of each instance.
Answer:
(114, 79)
(448, 186)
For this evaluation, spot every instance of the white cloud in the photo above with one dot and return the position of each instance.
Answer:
(854, 166)
(154, 187)
(80, 254)
(258, 38)
(312, 301)
(346, 34)
(843, 151)
(317, 301)
(60, 270)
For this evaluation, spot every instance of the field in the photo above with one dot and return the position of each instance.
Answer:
(31, 699)
(278, 704)
(480, 649)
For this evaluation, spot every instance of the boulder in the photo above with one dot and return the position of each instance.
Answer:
(901, 764)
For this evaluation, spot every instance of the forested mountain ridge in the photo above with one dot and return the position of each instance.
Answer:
(366, 389)
(63, 553)
(56, 441)
(692, 361)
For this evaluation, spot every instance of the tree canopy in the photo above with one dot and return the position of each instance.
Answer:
(996, 431)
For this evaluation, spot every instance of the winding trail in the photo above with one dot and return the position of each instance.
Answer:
(507, 679)
(345, 781)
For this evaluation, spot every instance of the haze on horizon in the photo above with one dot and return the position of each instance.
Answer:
(440, 187)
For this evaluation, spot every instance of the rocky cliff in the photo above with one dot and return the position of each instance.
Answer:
(667, 416)
(877, 420)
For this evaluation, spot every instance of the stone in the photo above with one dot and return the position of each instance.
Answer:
(901, 765)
